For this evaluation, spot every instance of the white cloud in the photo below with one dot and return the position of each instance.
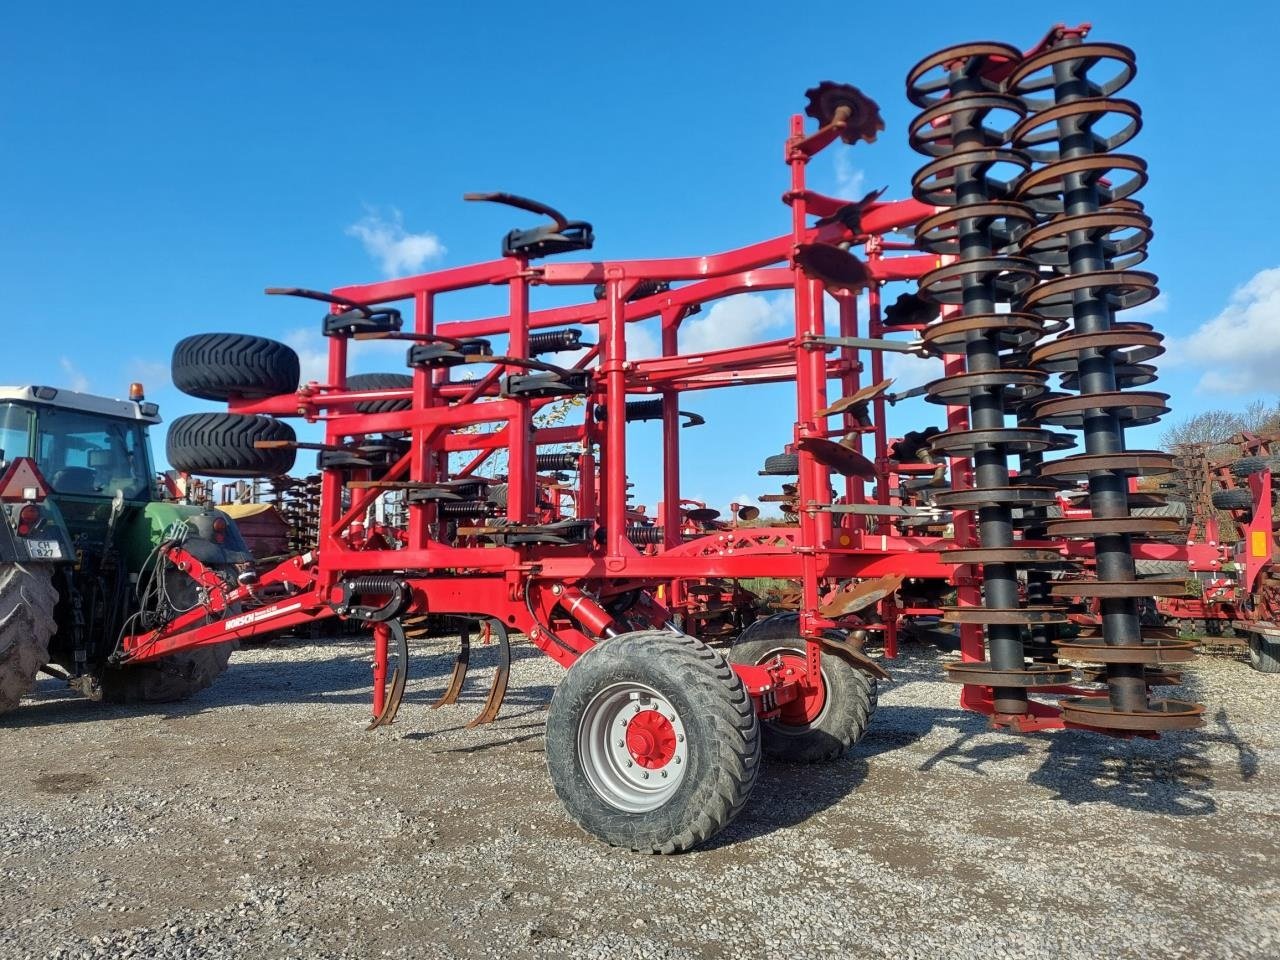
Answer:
(313, 354)
(76, 380)
(851, 182)
(396, 250)
(908, 371)
(734, 321)
(1239, 349)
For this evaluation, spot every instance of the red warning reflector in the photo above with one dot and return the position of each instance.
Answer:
(22, 481)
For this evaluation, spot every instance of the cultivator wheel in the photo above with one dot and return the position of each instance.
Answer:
(830, 716)
(652, 742)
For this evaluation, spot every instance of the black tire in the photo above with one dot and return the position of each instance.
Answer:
(1232, 499)
(1176, 509)
(850, 696)
(1162, 568)
(380, 381)
(27, 601)
(782, 465)
(714, 722)
(175, 677)
(220, 366)
(1264, 653)
(222, 445)
(1247, 466)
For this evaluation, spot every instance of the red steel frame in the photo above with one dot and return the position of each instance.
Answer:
(525, 587)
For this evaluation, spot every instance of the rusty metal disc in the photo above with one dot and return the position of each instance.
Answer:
(854, 400)
(978, 59)
(1010, 330)
(1115, 526)
(1041, 127)
(930, 131)
(972, 498)
(834, 266)
(1140, 463)
(998, 615)
(1042, 189)
(1127, 375)
(935, 182)
(1119, 231)
(1164, 715)
(1152, 676)
(702, 514)
(987, 675)
(940, 232)
(1121, 289)
(1035, 73)
(1009, 277)
(1016, 386)
(838, 457)
(1129, 406)
(1022, 556)
(1149, 651)
(861, 596)
(1123, 342)
(1118, 588)
(1011, 439)
(831, 102)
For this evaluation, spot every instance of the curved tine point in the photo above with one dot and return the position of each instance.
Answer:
(314, 295)
(522, 203)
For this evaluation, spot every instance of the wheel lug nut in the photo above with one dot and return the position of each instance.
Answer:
(680, 737)
(630, 764)
(664, 774)
(622, 743)
(677, 760)
(645, 775)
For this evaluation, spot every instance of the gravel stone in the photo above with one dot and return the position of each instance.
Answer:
(261, 820)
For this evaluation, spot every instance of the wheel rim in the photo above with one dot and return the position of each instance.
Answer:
(800, 715)
(632, 747)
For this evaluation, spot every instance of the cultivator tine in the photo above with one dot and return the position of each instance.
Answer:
(387, 699)
(502, 673)
(459, 674)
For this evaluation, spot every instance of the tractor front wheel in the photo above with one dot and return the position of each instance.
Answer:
(27, 601)
(832, 715)
(653, 742)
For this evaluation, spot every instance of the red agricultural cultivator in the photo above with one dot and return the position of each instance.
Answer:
(1016, 250)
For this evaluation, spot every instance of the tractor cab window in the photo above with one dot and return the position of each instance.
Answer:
(15, 432)
(81, 453)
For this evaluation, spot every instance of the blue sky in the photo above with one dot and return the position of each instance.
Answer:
(163, 163)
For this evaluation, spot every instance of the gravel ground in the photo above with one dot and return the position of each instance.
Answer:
(261, 820)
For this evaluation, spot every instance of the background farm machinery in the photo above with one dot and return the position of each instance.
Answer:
(1013, 256)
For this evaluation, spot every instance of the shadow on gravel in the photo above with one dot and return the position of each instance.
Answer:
(788, 794)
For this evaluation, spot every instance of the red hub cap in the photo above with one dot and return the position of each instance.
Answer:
(807, 707)
(651, 739)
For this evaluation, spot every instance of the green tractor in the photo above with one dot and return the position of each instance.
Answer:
(83, 518)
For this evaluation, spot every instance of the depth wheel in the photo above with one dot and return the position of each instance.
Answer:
(653, 742)
(832, 715)
(1264, 653)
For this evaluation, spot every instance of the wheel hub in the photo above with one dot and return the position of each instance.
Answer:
(651, 739)
(807, 707)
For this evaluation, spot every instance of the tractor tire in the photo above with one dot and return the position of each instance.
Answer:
(782, 465)
(817, 729)
(380, 381)
(1232, 499)
(1264, 653)
(174, 678)
(220, 366)
(652, 742)
(27, 601)
(1247, 466)
(222, 445)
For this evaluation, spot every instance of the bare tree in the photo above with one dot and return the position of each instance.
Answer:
(1207, 428)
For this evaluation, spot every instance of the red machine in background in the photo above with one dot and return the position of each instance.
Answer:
(1016, 249)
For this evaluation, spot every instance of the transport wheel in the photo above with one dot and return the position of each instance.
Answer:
(27, 601)
(1264, 653)
(1162, 568)
(653, 742)
(1232, 499)
(222, 445)
(1250, 465)
(380, 381)
(782, 465)
(219, 366)
(832, 716)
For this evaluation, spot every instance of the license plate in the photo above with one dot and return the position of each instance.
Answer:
(44, 549)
